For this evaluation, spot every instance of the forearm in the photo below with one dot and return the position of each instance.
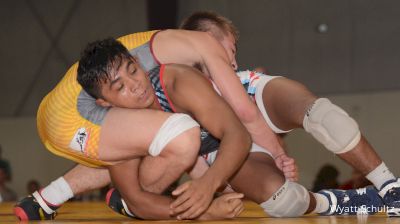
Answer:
(147, 205)
(143, 204)
(233, 92)
(232, 153)
(262, 134)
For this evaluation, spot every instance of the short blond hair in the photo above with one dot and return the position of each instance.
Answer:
(208, 21)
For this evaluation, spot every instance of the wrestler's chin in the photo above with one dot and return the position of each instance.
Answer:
(148, 100)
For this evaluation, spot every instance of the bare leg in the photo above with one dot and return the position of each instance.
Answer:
(154, 174)
(287, 101)
(362, 157)
(259, 179)
(82, 179)
(140, 181)
(157, 173)
(127, 134)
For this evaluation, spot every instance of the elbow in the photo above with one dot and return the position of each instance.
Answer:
(138, 209)
(133, 207)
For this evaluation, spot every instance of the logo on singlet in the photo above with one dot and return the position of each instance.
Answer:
(309, 110)
(80, 139)
(279, 193)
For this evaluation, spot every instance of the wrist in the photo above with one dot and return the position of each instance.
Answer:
(213, 182)
(277, 155)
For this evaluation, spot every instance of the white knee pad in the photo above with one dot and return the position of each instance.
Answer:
(331, 126)
(175, 125)
(291, 200)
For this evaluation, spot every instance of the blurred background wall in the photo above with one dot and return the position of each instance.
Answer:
(347, 50)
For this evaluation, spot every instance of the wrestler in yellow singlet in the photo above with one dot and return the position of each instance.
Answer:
(69, 122)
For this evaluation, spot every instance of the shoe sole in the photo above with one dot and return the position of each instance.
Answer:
(21, 214)
(108, 196)
(393, 212)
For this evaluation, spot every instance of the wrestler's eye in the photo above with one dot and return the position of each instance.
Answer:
(133, 71)
(120, 87)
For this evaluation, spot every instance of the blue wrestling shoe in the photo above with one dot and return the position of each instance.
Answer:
(351, 202)
(34, 207)
(117, 204)
(390, 192)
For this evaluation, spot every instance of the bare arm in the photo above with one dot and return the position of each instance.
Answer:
(201, 48)
(191, 93)
(149, 205)
(143, 204)
(218, 66)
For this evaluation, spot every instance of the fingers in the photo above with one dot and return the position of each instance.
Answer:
(292, 179)
(194, 211)
(238, 209)
(231, 196)
(235, 208)
(292, 176)
(290, 169)
(236, 202)
(180, 200)
(279, 163)
(181, 208)
(181, 188)
(288, 162)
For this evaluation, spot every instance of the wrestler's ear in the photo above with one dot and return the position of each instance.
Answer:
(210, 33)
(103, 103)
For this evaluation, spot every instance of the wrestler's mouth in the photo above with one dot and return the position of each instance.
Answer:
(143, 95)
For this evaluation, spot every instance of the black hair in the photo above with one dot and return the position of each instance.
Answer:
(98, 60)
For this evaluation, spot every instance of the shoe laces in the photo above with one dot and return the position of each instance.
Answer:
(361, 191)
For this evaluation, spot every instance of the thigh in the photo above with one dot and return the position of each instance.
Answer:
(127, 133)
(258, 178)
(156, 173)
(286, 102)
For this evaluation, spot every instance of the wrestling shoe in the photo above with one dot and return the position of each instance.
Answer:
(351, 202)
(34, 207)
(116, 203)
(390, 192)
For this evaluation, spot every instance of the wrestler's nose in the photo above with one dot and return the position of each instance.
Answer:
(133, 84)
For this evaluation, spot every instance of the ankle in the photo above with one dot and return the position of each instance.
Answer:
(380, 175)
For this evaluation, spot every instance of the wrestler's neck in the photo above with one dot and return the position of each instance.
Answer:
(155, 105)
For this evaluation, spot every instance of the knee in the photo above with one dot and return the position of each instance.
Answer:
(184, 149)
(291, 200)
(178, 140)
(178, 130)
(331, 126)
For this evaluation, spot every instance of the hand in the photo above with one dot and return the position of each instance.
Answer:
(227, 206)
(194, 197)
(288, 166)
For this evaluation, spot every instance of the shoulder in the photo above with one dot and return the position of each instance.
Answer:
(180, 71)
(185, 37)
(175, 75)
(179, 68)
